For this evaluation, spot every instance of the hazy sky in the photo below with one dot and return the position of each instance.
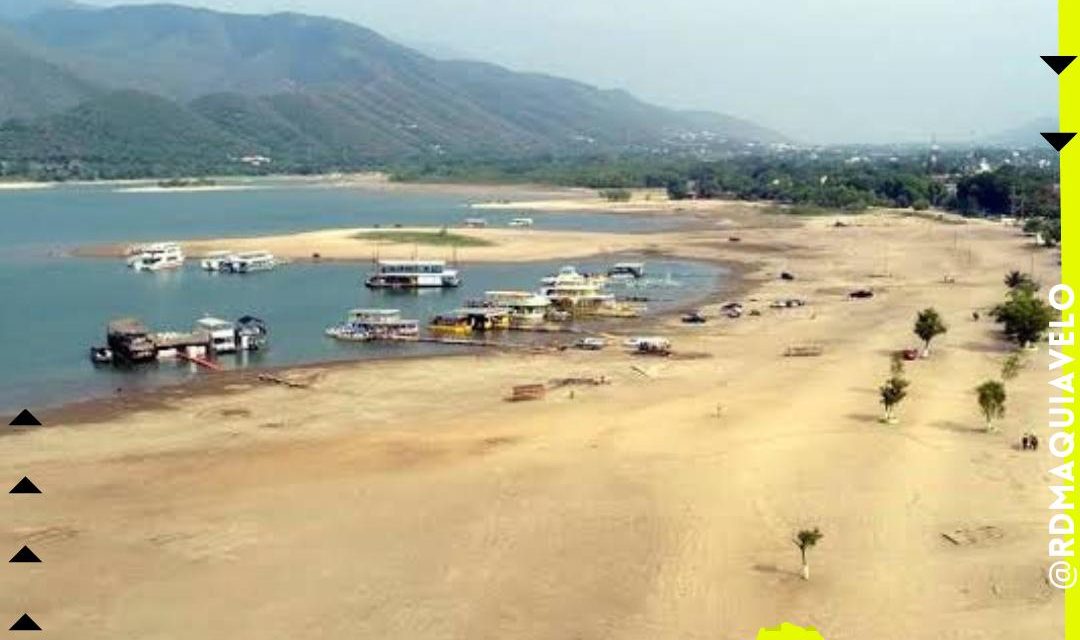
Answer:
(817, 70)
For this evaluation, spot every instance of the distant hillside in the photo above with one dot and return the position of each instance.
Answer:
(308, 92)
(31, 85)
(1026, 135)
(21, 9)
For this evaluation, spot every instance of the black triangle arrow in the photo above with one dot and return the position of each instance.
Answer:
(25, 555)
(1058, 140)
(25, 486)
(1058, 63)
(25, 623)
(25, 419)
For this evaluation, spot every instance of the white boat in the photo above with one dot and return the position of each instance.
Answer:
(475, 223)
(157, 257)
(521, 222)
(412, 274)
(569, 275)
(214, 260)
(375, 324)
(249, 262)
(590, 344)
(221, 333)
(524, 307)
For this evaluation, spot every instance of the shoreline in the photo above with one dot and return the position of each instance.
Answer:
(637, 489)
(732, 282)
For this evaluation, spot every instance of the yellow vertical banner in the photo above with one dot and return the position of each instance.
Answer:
(1069, 116)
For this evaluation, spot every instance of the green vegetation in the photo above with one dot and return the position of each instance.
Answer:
(616, 195)
(1011, 366)
(929, 325)
(1024, 315)
(440, 238)
(1020, 280)
(178, 183)
(892, 393)
(90, 94)
(805, 540)
(991, 398)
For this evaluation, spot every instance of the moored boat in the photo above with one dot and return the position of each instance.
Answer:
(375, 324)
(214, 260)
(249, 262)
(412, 274)
(525, 308)
(157, 257)
(129, 340)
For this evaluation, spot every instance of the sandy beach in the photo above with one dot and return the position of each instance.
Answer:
(408, 500)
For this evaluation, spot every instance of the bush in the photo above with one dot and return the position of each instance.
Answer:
(616, 195)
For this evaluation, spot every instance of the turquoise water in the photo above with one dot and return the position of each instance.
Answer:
(55, 307)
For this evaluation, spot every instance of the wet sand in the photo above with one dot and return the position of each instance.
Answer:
(408, 499)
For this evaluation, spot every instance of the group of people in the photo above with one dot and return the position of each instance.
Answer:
(1029, 442)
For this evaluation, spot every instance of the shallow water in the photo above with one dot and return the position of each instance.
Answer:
(55, 307)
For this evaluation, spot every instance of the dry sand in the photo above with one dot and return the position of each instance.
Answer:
(407, 500)
(506, 245)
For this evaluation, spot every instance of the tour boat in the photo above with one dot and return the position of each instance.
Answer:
(412, 274)
(221, 334)
(375, 324)
(251, 334)
(157, 257)
(451, 323)
(214, 260)
(249, 262)
(129, 341)
(569, 275)
(471, 319)
(521, 222)
(525, 308)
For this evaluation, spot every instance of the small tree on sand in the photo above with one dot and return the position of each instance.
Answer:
(1011, 366)
(1024, 315)
(896, 364)
(892, 392)
(991, 396)
(806, 539)
(929, 325)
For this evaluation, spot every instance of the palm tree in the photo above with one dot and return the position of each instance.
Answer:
(991, 395)
(1017, 279)
(929, 325)
(806, 539)
(892, 392)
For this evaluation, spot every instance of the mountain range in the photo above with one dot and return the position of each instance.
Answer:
(167, 89)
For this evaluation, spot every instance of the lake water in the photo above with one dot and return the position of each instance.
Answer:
(55, 307)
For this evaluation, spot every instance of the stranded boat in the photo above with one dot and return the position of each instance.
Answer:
(374, 324)
(157, 257)
(412, 274)
(627, 271)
